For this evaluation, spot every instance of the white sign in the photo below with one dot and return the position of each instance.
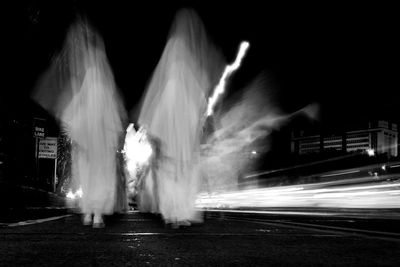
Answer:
(48, 148)
(38, 132)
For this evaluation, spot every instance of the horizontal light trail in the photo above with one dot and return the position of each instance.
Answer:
(346, 193)
(340, 173)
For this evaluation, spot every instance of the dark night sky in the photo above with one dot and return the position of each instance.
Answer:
(342, 57)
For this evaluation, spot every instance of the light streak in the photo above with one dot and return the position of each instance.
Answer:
(220, 88)
(367, 194)
(299, 166)
(30, 222)
(339, 173)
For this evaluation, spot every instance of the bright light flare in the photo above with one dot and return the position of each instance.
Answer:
(137, 148)
(370, 152)
(77, 194)
(229, 69)
(71, 195)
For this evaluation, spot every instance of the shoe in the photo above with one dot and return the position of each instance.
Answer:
(98, 221)
(87, 219)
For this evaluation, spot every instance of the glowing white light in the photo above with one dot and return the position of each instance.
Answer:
(77, 194)
(339, 173)
(220, 88)
(137, 148)
(254, 152)
(384, 167)
(70, 195)
(371, 152)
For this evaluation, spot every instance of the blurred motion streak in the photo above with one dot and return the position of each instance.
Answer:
(344, 193)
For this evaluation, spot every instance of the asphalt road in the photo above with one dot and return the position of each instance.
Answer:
(224, 239)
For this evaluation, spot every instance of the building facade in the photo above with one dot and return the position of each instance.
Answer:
(381, 136)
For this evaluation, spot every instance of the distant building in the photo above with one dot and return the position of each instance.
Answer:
(381, 136)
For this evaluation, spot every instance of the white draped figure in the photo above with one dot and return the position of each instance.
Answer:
(173, 113)
(91, 111)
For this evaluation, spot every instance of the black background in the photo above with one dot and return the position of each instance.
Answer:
(342, 56)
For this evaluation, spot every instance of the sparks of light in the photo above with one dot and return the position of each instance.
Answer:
(137, 148)
(77, 194)
(229, 69)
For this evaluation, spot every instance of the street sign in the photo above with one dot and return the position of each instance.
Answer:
(38, 132)
(39, 126)
(48, 148)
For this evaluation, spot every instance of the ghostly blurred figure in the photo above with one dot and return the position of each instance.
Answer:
(80, 91)
(173, 113)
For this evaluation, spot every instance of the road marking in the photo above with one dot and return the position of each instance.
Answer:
(30, 222)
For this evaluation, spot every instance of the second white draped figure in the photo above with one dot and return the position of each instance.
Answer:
(173, 113)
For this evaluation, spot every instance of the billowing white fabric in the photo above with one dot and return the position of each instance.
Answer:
(173, 112)
(79, 90)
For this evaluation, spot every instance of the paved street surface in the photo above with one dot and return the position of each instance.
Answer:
(225, 239)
